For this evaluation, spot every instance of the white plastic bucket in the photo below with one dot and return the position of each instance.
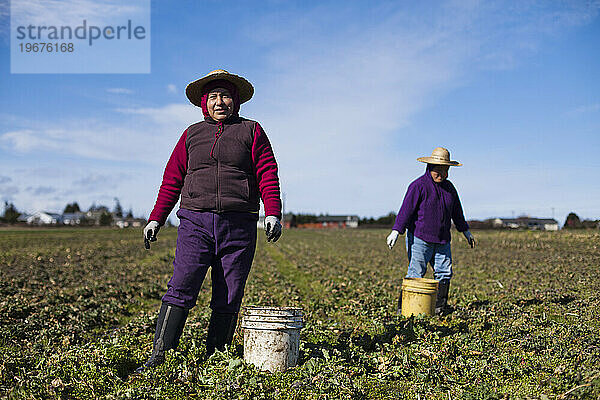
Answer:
(272, 337)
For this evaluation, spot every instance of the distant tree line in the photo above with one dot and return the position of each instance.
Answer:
(10, 214)
(304, 218)
(369, 222)
(573, 222)
(386, 220)
(106, 217)
(299, 219)
(71, 208)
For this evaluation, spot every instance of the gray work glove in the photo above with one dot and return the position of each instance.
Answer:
(272, 228)
(469, 238)
(150, 232)
(392, 237)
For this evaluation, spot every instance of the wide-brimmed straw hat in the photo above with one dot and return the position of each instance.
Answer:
(439, 156)
(193, 91)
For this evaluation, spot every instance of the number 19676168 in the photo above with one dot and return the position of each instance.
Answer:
(46, 47)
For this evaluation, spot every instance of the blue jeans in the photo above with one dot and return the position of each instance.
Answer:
(421, 252)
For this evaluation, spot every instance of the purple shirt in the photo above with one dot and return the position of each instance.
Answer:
(427, 209)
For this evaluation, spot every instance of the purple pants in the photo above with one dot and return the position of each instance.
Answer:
(226, 242)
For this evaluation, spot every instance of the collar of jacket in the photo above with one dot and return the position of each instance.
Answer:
(233, 119)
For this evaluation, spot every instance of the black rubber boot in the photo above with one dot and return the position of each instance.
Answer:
(171, 320)
(220, 331)
(441, 304)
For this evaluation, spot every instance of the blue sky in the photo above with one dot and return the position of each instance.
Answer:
(350, 94)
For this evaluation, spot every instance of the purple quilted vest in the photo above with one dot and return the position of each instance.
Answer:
(220, 174)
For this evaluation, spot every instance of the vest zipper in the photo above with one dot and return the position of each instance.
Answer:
(217, 136)
(218, 196)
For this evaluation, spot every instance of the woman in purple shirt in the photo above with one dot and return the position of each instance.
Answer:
(431, 201)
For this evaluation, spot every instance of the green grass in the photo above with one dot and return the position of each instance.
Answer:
(78, 308)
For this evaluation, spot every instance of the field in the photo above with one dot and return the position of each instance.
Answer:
(78, 308)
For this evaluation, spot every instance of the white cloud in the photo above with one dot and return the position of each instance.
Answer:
(171, 88)
(335, 98)
(588, 108)
(334, 115)
(122, 159)
(113, 143)
(66, 13)
(40, 190)
(119, 91)
(8, 189)
(5, 21)
(146, 135)
(42, 185)
(71, 12)
(95, 181)
(4, 8)
(513, 31)
(173, 116)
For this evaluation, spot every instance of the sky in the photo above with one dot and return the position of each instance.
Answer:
(350, 93)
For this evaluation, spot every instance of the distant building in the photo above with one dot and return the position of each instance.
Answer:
(511, 223)
(548, 224)
(326, 221)
(338, 221)
(485, 224)
(129, 222)
(542, 224)
(95, 216)
(44, 218)
(23, 217)
(73, 218)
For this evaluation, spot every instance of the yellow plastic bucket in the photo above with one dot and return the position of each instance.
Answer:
(419, 296)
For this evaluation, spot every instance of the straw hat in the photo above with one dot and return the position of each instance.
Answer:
(193, 91)
(439, 156)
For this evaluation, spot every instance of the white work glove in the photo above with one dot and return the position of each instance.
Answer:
(469, 238)
(392, 237)
(272, 228)
(150, 232)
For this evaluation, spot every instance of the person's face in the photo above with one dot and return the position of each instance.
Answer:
(439, 173)
(219, 104)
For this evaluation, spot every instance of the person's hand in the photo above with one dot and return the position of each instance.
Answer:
(150, 232)
(272, 228)
(392, 237)
(469, 238)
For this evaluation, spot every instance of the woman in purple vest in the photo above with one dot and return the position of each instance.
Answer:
(221, 167)
(431, 201)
